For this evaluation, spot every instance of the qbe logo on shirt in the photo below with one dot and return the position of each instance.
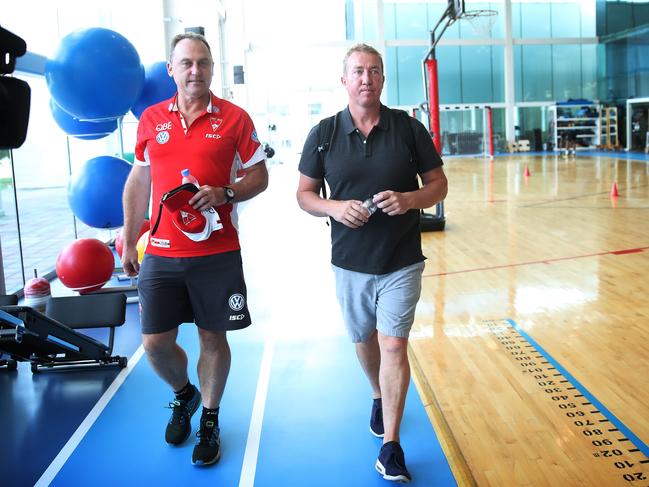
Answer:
(162, 137)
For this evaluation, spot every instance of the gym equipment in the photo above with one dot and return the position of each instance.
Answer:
(45, 341)
(158, 86)
(95, 191)
(454, 11)
(95, 74)
(85, 265)
(8, 300)
(81, 130)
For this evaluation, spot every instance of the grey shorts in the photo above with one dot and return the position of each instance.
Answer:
(383, 302)
(209, 291)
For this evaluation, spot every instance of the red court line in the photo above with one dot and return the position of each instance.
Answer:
(545, 261)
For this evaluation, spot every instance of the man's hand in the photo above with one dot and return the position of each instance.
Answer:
(350, 213)
(130, 263)
(393, 203)
(208, 197)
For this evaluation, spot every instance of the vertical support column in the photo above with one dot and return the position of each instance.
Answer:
(433, 102)
(510, 92)
(490, 132)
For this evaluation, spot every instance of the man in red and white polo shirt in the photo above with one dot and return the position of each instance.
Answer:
(192, 277)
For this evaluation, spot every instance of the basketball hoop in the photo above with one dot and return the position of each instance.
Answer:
(482, 21)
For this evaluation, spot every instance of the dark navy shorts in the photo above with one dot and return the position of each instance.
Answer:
(209, 291)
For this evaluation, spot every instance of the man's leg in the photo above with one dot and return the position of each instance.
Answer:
(213, 366)
(167, 358)
(369, 356)
(169, 361)
(394, 378)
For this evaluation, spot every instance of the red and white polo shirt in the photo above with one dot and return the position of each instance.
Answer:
(218, 143)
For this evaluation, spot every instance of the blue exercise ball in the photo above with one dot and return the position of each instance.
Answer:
(95, 191)
(158, 86)
(96, 74)
(77, 128)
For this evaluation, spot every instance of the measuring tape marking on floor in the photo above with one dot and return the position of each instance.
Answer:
(579, 407)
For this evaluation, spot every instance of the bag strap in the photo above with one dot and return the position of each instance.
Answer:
(183, 187)
(157, 220)
(326, 132)
(404, 125)
(408, 134)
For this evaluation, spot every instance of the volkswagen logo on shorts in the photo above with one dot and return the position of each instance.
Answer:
(162, 137)
(236, 302)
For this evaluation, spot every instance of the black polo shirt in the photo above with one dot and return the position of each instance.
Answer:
(356, 168)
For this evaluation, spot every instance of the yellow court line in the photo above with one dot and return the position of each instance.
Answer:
(457, 462)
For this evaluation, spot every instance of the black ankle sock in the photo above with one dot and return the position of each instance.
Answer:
(186, 393)
(210, 415)
(378, 402)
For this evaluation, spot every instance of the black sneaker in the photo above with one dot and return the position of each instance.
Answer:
(376, 418)
(392, 464)
(208, 447)
(179, 426)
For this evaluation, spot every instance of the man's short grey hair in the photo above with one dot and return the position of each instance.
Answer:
(187, 35)
(367, 49)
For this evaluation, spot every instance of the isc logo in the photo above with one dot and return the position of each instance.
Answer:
(212, 136)
(237, 317)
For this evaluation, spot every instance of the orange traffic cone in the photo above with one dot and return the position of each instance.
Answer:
(614, 193)
(527, 171)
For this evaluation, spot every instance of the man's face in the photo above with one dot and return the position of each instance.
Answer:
(363, 79)
(192, 68)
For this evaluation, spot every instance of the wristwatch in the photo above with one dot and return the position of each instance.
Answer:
(229, 194)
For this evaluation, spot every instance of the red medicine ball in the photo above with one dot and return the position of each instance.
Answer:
(85, 265)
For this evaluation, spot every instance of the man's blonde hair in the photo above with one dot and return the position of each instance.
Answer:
(365, 48)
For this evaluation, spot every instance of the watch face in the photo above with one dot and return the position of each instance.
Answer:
(229, 192)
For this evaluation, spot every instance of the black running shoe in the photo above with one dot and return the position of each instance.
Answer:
(376, 418)
(208, 447)
(180, 425)
(391, 463)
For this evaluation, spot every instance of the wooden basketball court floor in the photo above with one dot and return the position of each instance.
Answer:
(565, 400)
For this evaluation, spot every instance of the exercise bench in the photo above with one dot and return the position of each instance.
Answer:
(8, 300)
(51, 339)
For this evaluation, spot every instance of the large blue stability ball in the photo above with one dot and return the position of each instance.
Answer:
(158, 86)
(95, 191)
(95, 74)
(77, 128)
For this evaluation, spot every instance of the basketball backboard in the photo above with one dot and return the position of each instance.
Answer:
(456, 8)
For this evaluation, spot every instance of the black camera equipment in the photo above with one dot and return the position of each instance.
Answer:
(15, 94)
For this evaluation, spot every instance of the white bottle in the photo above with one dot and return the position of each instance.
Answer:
(189, 178)
(369, 205)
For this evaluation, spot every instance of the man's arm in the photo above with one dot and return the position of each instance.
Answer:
(253, 182)
(137, 192)
(433, 191)
(349, 212)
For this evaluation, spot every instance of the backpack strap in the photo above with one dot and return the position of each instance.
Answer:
(404, 126)
(408, 134)
(326, 132)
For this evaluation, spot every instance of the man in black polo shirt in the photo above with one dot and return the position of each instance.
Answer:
(370, 152)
